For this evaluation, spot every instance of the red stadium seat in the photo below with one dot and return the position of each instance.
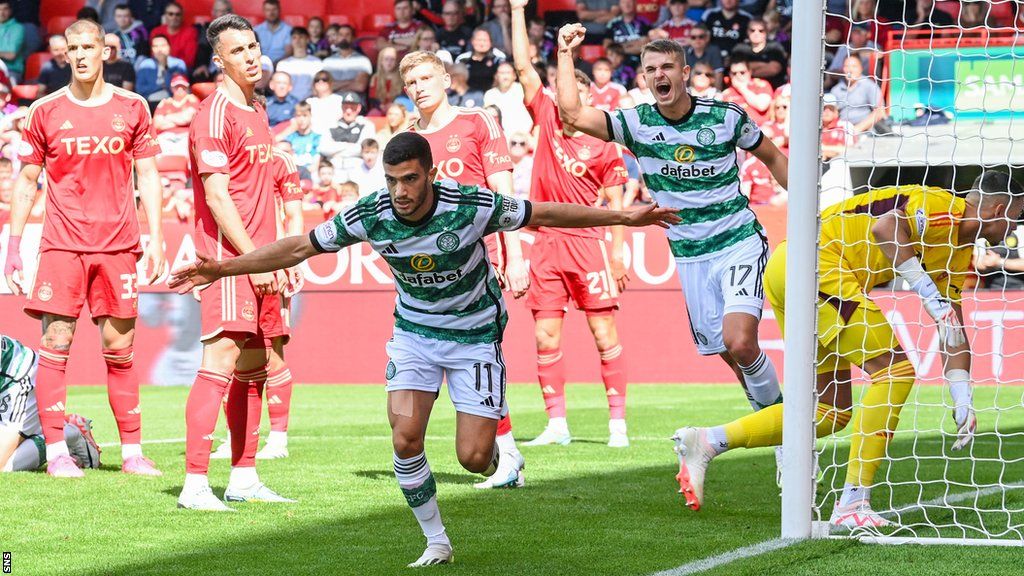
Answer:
(34, 63)
(250, 7)
(294, 20)
(591, 52)
(375, 22)
(58, 24)
(25, 91)
(196, 8)
(309, 8)
(371, 6)
(50, 8)
(203, 89)
(368, 46)
(545, 6)
(339, 19)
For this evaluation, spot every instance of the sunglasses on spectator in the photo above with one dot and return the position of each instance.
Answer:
(698, 36)
(321, 79)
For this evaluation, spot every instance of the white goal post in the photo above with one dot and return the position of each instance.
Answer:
(975, 80)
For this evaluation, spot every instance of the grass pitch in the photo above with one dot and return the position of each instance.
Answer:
(586, 509)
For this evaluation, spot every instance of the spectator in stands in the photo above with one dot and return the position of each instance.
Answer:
(605, 94)
(507, 95)
(453, 35)
(281, 103)
(330, 40)
(301, 66)
(481, 61)
(205, 68)
(172, 117)
(459, 94)
(400, 32)
(12, 42)
(752, 94)
(767, 60)
(324, 194)
(274, 35)
(304, 140)
(836, 134)
(701, 51)
(629, 31)
(56, 73)
(341, 144)
(860, 99)
(925, 13)
(728, 25)
(153, 75)
(105, 11)
(183, 40)
(542, 39)
(522, 161)
(116, 71)
(695, 9)
(349, 70)
(317, 42)
(500, 25)
(757, 183)
(426, 40)
(777, 126)
(622, 71)
(325, 105)
(641, 94)
(978, 15)
(596, 14)
(702, 81)
(1002, 267)
(649, 10)
(386, 83)
(348, 194)
(396, 118)
(860, 45)
(130, 33)
(368, 175)
(150, 12)
(677, 26)
(88, 13)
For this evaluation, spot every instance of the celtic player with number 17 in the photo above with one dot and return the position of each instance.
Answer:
(687, 153)
(449, 312)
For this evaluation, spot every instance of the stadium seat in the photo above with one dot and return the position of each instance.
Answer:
(203, 89)
(34, 63)
(25, 91)
(294, 20)
(194, 8)
(591, 52)
(372, 6)
(249, 7)
(309, 8)
(339, 19)
(58, 24)
(375, 22)
(50, 8)
(545, 6)
(368, 46)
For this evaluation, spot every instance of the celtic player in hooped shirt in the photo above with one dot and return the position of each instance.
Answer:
(686, 148)
(449, 312)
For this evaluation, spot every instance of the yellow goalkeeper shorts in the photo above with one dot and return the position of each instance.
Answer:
(851, 328)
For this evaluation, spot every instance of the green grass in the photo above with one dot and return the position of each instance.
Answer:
(586, 509)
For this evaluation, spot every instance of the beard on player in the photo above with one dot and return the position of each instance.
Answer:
(86, 51)
(410, 185)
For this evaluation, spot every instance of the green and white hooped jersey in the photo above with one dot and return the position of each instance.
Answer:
(690, 164)
(16, 361)
(446, 287)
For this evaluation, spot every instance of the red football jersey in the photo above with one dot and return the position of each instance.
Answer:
(469, 148)
(757, 86)
(286, 177)
(226, 138)
(571, 169)
(607, 98)
(757, 176)
(88, 149)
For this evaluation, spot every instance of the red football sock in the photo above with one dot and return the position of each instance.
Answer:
(613, 372)
(201, 409)
(279, 398)
(245, 402)
(504, 426)
(52, 392)
(551, 374)
(123, 393)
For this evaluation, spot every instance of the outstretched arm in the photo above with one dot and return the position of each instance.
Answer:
(586, 119)
(528, 76)
(284, 253)
(563, 215)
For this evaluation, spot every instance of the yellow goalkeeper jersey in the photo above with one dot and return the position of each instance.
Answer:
(848, 247)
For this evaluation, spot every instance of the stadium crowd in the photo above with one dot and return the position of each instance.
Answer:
(334, 95)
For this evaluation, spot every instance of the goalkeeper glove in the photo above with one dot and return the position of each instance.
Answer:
(939, 308)
(959, 382)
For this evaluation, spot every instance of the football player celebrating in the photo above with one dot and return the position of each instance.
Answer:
(89, 136)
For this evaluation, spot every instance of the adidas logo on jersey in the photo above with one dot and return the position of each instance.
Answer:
(390, 250)
(489, 402)
(743, 292)
(659, 138)
(58, 407)
(248, 132)
(66, 125)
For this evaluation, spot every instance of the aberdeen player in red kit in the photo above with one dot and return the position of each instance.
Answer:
(230, 152)
(87, 136)
(469, 147)
(570, 166)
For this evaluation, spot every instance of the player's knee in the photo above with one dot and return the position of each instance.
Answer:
(58, 334)
(743, 348)
(475, 459)
(548, 338)
(406, 445)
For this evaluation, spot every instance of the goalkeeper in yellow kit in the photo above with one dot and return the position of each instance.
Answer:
(925, 236)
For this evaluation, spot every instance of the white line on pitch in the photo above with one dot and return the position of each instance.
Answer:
(161, 441)
(727, 557)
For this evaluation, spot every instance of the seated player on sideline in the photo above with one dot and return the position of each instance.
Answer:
(21, 434)
(867, 241)
(449, 312)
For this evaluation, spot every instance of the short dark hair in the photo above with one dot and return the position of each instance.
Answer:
(272, 3)
(341, 27)
(225, 22)
(665, 46)
(369, 143)
(88, 13)
(302, 105)
(159, 36)
(397, 2)
(604, 61)
(122, 6)
(582, 78)
(616, 48)
(998, 182)
(324, 163)
(406, 146)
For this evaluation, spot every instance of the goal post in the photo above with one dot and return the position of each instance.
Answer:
(952, 95)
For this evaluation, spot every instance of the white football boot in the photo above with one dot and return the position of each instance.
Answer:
(551, 436)
(259, 492)
(201, 499)
(508, 475)
(433, 555)
(857, 515)
(695, 453)
(617, 437)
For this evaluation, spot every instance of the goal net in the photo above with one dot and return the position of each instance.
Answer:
(922, 93)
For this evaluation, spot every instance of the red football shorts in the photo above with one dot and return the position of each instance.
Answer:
(231, 305)
(66, 280)
(564, 266)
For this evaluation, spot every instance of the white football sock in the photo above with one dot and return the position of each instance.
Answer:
(506, 443)
(277, 438)
(617, 426)
(195, 482)
(718, 440)
(853, 493)
(762, 382)
(420, 490)
(558, 425)
(56, 449)
(243, 477)
(130, 451)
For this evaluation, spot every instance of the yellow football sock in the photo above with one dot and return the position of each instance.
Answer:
(877, 420)
(764, 427)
